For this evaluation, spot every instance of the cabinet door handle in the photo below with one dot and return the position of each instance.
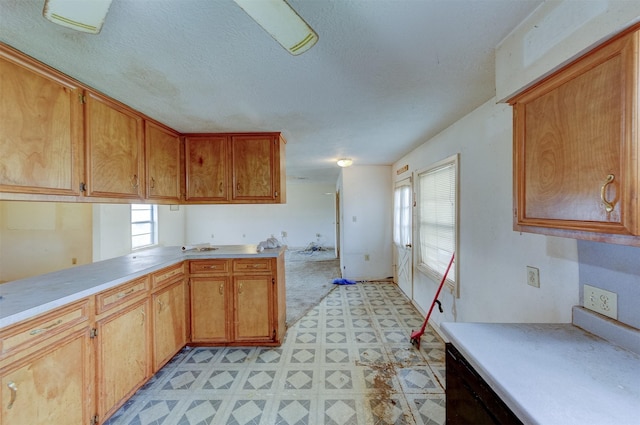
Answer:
(608, 206)
(220, 187)
(238, 187)
(14, 393)
(153, 183)
(240, 288)
(134, 181)
(124, 294)
(143, 315)
(46, 328)
(160, 305)
(221, 289)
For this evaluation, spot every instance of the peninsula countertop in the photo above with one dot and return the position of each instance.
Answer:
(25, 298)
(553, 373)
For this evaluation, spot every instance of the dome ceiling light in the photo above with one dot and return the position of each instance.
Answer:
(345, 162)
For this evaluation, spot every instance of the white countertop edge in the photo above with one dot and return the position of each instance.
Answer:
(157, 259)
(552, 373)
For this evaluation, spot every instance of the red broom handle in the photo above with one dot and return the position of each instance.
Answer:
(444, 278)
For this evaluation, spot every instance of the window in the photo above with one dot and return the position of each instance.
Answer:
(438, 220)
(144, 225)
(402, 214)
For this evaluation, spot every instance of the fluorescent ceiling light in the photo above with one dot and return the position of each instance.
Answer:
(81, 15)
(345, 162)
(282, 22)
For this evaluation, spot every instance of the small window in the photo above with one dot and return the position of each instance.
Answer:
(144, 225)
(438, 220)
(402, 214)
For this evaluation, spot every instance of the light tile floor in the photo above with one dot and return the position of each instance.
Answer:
(348, 361)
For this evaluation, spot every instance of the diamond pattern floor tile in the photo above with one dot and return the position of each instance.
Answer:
(347, 361)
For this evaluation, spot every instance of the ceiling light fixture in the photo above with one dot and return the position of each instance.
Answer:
(85, 16)
(282, 22)
(345, 162)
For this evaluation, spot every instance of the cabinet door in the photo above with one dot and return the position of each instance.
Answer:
(572, 132)
(41, 131)
(123, 356)
(255, 168)
(162, 150)
(209, 306)
(207, 176)
(169, 322)
(114, 142)
(253, 313)
(53, 387)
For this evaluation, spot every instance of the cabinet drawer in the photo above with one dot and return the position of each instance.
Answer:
(167, 274)
(252, 265)
(120, 294)
(209, 266)
(36, 330)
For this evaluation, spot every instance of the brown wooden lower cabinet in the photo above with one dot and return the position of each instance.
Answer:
(52, 386)
(469, 399)
(81, 362)
(235, 301)
(123, 355)
(169, 306)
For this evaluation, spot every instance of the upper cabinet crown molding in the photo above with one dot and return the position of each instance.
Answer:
(63, 141)
(576, 148)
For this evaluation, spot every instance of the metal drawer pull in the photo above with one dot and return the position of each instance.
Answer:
(213, 267)
(46, 328)
(124, 294)
(608, 206)
(240, 288)
(14, 393)
(221, 288)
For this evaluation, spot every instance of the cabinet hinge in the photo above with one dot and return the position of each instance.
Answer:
(81, 98)
(93, 333)
(94, 420)
(83, 187)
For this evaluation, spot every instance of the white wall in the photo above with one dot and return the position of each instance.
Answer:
(366, 211)
(492, 257)
(310, 210)
(40, 237)
(555, 33)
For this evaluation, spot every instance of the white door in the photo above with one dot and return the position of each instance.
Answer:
(402, 236)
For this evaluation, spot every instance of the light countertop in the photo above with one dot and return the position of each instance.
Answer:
(553, 373)
(26, 298)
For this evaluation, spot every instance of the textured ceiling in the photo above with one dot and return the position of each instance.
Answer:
(385, 75)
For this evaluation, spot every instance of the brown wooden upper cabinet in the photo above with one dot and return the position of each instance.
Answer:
(257, 162)
(206, 165)
(163, 159)
(41, 140)
(576, 149)
(115, 149)
(235, 168)
(63, 141)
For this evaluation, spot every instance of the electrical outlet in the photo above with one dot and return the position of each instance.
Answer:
(601, 301)
(533, 276)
